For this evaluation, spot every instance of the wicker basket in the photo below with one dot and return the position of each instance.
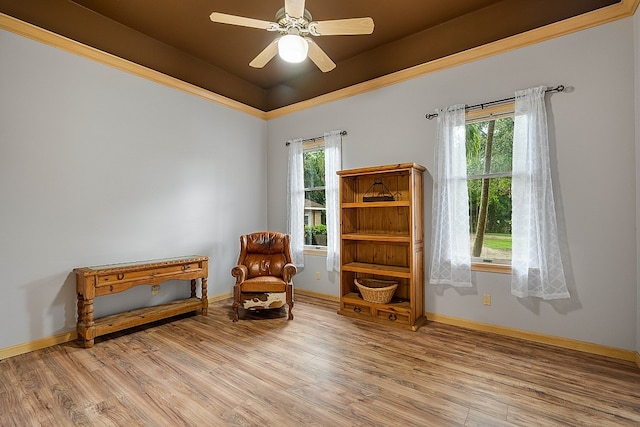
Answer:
(374, 290)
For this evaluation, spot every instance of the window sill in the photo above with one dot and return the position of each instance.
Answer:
(315, 250)
(491, 268)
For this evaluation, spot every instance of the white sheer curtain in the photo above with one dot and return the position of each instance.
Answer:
(536, 263)
(295, 201)
(332, 164)
(451, 253)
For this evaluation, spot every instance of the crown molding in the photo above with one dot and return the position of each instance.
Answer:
(41, 35)
(624, 9)
(595, 18)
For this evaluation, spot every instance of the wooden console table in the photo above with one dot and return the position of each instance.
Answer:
(92, 282)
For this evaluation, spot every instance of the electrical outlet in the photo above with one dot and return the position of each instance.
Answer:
(486, 299)
(155, 290)
(317, 275)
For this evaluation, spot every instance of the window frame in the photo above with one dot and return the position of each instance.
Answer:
(481, 115)
(316, 144)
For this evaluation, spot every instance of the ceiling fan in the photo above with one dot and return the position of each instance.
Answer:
(295, 25)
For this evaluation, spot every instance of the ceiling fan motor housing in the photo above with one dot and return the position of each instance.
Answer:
(287, 23)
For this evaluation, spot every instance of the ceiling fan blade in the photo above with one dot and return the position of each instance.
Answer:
(317, 55)
(294, 8)
(266, 55)
(337, 27)
(223, 18)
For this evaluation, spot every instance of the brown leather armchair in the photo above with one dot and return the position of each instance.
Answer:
(264, 272)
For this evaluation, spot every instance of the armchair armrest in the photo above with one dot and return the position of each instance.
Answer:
(288, 271)
(240, 272)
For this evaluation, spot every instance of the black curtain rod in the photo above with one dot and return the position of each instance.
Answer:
(559, 88)
(317, 138)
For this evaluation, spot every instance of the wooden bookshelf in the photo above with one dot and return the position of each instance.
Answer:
(383, 239)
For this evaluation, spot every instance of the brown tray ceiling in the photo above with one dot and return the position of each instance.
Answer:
(177, 38)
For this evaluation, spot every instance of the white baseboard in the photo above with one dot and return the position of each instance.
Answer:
(64, 337)
(319, 295)
(433, 317)
(587, 347)
(38, 344)
(569, 343)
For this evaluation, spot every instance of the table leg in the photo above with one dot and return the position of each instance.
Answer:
(86, 327)
(205, 301)
(193, 288)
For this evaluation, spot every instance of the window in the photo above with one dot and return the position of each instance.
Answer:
(313, 199)
(315, 207)
(489, 151)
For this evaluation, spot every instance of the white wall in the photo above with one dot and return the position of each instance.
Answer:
(592, 143)
(99, 166)
(636, 22)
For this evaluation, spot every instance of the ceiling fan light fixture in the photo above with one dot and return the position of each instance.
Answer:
(294, 25)
(293, 48)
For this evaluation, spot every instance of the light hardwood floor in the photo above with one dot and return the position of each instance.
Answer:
(318, 369)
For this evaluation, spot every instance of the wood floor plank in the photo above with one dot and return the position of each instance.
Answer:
(113, 412)
(319, 369)
(477, 418)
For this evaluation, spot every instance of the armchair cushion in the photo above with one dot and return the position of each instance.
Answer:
(264, 284)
